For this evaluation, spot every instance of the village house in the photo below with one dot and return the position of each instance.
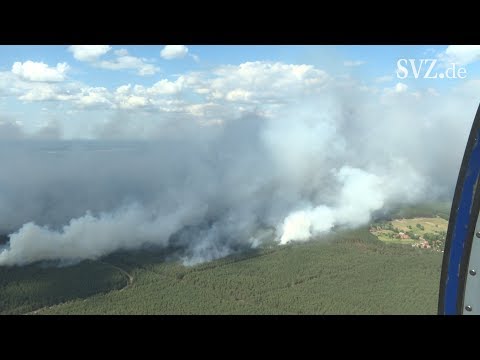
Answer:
(425, 245)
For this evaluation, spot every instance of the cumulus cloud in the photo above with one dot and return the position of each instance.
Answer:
(259, 82)
(88, 52)
(239, 88)
(170, 52)
(166, 87)
(45, 92)
(17, 86)
(93, 97)
(128, 98)
(461, 54)
(400, 87)
(238, 95)
(124, 61)
(132, 102)
(121, 52)
(39, 71)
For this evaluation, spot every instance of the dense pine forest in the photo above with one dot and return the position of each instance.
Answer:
(347, 272)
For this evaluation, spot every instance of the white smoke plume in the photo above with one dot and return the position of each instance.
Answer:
(90, 237)
(330, 160)
(361, 194)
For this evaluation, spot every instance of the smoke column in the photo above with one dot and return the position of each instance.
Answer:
(330, 160)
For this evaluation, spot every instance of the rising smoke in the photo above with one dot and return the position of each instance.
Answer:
(310, 166)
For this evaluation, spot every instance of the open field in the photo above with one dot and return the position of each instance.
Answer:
(416, 228)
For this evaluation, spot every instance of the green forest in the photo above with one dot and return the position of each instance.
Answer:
(27, 288)
(432, 209)
(347, 272)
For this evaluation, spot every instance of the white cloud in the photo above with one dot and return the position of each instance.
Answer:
(7, 80)
(93, 97)
(260, 82)
(238, 95)
(123, 60)
(121, 52)
(170, 52)
(166, 87)
(39, 71)
(43, 91)
(353, 63)
(403, 91)
(128, 62)
(461, 54)
(128, 98)
(401, 87)
(88, 52)
(123, 90)
(156, 96)
(202, 91)
(221, 93)
(40, 93)
(199, 109)
(132, 102)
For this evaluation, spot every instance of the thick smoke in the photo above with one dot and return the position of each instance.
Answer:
(361, 194)
(208, 191)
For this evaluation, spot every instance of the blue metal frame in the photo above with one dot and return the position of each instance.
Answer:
(463, 218)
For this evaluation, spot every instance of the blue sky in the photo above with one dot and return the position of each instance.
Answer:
(80, 87)
(378, 60)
